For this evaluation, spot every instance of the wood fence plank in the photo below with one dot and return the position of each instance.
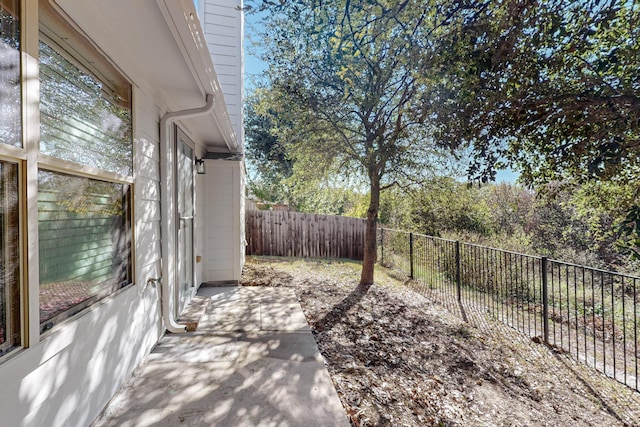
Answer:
(295, 234)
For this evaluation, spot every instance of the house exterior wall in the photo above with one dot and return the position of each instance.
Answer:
(147, 189)
(243, 210)
(199, 226)
(223, 24)
(223, 229)
(66, 376)
(224, 248)
(70, 375)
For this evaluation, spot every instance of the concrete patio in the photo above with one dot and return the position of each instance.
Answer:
(251, 362)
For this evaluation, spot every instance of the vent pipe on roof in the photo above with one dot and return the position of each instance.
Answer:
(168, 208)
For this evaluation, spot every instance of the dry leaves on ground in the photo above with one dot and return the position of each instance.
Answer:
(398, 358)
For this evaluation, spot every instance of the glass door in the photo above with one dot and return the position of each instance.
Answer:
(186, 285)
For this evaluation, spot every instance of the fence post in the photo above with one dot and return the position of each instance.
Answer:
(411, 255)
(382, 246)
(545, 301)
(458, 284)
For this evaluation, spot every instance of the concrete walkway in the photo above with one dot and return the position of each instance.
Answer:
(252, 362)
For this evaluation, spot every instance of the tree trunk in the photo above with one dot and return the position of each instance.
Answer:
(370, 243)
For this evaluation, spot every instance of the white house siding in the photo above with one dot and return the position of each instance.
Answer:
(68, 377)
(199, 224)
(147, 189)
(243, 209)
(223, 232)
(223, 242)
(222, 22)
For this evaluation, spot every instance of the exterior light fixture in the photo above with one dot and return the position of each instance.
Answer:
(200, 166)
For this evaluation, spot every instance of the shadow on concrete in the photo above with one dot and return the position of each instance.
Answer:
(252, 362)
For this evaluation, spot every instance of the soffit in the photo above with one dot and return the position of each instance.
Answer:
(156, 44)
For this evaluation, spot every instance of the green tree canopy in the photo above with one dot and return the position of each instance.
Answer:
(264, 147)
(552, 87)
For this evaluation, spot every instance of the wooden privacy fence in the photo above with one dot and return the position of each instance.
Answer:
(296, 234)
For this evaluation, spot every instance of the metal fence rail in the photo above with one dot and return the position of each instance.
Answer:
(588, 313)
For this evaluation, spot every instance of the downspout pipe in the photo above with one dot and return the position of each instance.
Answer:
(168, 206)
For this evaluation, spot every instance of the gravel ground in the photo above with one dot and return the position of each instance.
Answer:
(400, 359)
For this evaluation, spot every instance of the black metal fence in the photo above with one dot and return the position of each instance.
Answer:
(588, 313)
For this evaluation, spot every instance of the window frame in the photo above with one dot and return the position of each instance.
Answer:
(75, 42)
(16, 155)
(181, 137)
(17, 11)
(109, 290)
(30, 161)
(9, 346)
(74, 46)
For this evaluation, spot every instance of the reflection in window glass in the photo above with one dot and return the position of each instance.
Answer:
(10, 128)
(85, 243)
(82, 119)
(9, 259)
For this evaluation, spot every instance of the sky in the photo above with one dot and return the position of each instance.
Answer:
(253, 65)
(506, 176)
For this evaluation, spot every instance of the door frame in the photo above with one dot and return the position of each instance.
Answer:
(183, 300)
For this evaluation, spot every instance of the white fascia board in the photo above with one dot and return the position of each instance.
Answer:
(182, 19)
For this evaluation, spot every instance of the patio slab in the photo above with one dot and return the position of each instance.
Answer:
(252, 362)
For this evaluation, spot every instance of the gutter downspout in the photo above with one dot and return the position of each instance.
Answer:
(167, 207)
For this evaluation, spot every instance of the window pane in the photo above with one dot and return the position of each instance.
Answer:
(10, 129)
(85, 243)
(82, 119)
(9, 259)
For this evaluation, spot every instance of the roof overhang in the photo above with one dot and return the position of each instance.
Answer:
(160, 46)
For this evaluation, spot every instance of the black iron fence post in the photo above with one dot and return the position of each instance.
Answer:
(545, 300)
(458, 282)
(381, 246)
(411, 255)
(506, 284)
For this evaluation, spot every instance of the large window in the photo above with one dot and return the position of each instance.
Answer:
(83, 119)
(10, 129)
(84, 181)
(84, 173)
(85, 104)
(10, 335)
(85, 242)
(10, 134)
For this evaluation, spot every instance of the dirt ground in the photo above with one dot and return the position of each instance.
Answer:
(398, 358)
